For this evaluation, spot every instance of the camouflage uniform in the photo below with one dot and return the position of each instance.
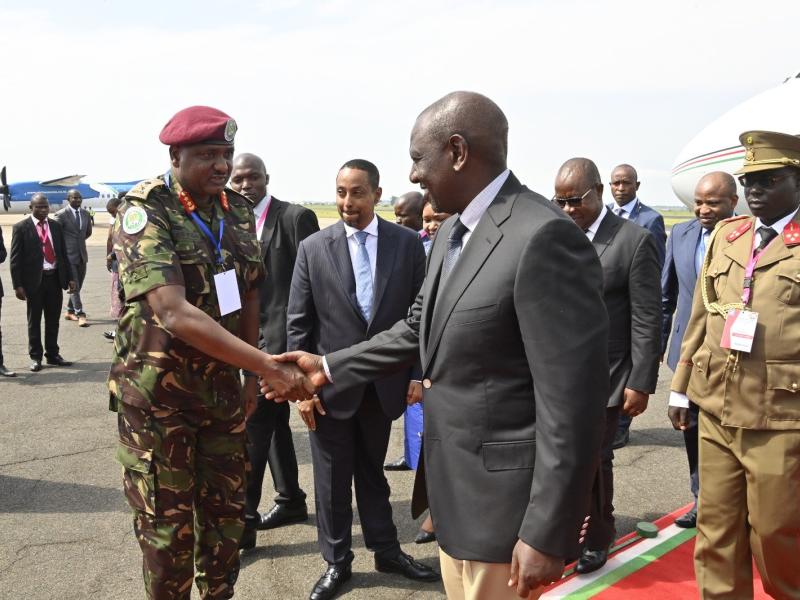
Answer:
(181, 421)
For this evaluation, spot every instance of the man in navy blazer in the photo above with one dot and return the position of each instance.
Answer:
(624, 187)
(714, 200)
(352, 280)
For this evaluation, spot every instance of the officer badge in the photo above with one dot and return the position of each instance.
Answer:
(230, 130)
(134, 220)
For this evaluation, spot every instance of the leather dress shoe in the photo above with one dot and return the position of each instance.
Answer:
(425, 537)
(621, 439)
(328, 585)
(6, 372)
(58, 361)
(36, 365)
(280, 515)
(248, 540)
(591, 560)
(405, 565)
(110, 334)
(399, 465)
(687, 521)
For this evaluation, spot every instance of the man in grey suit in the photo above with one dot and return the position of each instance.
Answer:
(512, 335)
(352, 280)
(714, 200)
(632, 297)
(76, 224)
(280, 227)
(624, 187)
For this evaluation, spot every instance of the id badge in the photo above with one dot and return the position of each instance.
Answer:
(739, 331)
(227, 292)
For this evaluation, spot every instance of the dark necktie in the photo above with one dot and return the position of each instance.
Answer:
(767, 234)
(78, 218)
(47, 245)
(453, 249)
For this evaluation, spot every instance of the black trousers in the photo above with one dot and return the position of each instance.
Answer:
(601, 526)
(270, 442)
(1, 332)
(344, 452)
(47, 299)
(690, 440)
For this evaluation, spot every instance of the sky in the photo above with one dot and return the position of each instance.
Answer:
(88, 85)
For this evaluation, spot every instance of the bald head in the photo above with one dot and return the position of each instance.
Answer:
(408, 210)
(715, 198)
(580, 170)
(579, 191)
(40, 207)
(458, 145)
(249, 177)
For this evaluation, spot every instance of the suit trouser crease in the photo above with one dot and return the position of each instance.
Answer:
(350, 453)
(46, 299)
(193, 517)
(749, 479)
(602, 531)
(78, 275)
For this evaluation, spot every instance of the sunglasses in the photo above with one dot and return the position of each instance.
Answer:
(573, 202)
(762, 179)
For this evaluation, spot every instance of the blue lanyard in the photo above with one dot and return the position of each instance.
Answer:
(204, 228)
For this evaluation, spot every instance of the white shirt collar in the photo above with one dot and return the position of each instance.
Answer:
(778, 225)
(371, 229)
(263, 205)
(591, 231)
(36, 222)
(478, 205)
(630, 205)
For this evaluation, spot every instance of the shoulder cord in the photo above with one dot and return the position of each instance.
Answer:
(714, 307)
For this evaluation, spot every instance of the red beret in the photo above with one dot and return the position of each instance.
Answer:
(198, 125)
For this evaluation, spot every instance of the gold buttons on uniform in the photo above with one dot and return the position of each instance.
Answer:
(794, 386)
(426, 383)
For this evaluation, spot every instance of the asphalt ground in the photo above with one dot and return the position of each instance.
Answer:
(66, 531)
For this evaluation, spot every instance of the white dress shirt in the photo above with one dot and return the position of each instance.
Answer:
(626, 208)
(261, 210)
(474, 211)
(47, 266)
(371, 244)
(682, 400)
(591, 231)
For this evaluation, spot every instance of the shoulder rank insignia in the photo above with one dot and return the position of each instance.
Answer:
(791, 234)
(142, 189)
(739, 231)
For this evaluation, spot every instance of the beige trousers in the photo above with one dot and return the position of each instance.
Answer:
(473, 580)
(749, 507)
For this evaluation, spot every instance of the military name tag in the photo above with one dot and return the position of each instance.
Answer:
(739, 331)
(227, 292)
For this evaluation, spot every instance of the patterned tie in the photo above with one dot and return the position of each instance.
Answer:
(453, 249)
(47, 245)
(620, 212)
(767, 233)
(363, 276)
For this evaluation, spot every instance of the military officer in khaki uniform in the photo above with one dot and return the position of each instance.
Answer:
(190, 267)
(740, 362)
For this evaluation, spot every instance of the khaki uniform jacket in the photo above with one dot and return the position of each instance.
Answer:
(762, 389)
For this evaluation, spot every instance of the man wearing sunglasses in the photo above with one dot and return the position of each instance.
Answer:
(740, 363)
(632, 296)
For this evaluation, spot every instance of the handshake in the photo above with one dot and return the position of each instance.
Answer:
(292, 376)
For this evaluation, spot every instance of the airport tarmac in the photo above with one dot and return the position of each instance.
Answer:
(66, 531)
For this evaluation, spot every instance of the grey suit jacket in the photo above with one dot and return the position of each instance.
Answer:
(678, 280)
(74, 236)
(632, 295)
(515, 367)
(284, 228)
(323, 314)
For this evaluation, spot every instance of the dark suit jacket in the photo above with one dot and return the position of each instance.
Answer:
(285, 227)
(514, 356)
(74, 236)
(2, 259)
(323, 313)
(678, 280)
(631, 292)
(27, 258)
(650, 219)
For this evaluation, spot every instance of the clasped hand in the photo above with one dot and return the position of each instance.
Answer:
(285, 381)
(310, 368)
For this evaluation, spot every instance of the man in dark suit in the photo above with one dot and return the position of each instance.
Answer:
(3, 371)
(76, 223)
(280, 227)
(352, 280)
(39, 273)
(632, 297)
(512, 334)
(714, 200)
(624, 187)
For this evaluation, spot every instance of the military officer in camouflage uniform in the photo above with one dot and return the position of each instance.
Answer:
(190, 266)
(740, 363)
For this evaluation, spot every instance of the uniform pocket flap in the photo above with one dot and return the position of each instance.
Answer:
(502, 456)
(701, 358)
(134, 459)
(783, 375)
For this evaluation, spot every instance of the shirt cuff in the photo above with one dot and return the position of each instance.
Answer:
(679, 400)
(328, 371)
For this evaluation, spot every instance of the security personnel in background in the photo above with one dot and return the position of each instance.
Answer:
(190, 267)
(740, 363)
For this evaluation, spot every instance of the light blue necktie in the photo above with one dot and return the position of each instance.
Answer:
(700, 254)
(363, 276)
